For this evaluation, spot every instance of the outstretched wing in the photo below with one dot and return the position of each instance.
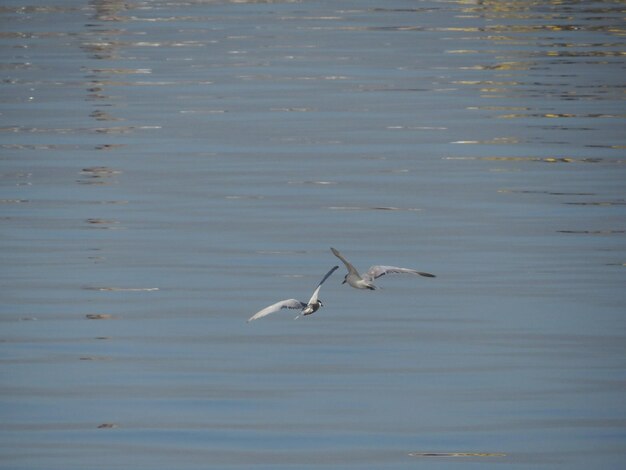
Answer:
(351, 268)
(319, 286)
(289, 303)
(377, 271)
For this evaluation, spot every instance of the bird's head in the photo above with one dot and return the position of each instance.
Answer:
(320, 302)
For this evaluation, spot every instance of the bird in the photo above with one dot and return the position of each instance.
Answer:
(308, 308)
(357, 281)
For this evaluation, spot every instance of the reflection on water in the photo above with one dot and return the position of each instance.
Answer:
(168, 164)
(610, 161)
(455, 454)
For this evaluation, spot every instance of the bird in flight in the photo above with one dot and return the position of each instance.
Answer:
(365, 281)
(308, 308)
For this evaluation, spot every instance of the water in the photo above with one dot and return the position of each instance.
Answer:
(170, 168)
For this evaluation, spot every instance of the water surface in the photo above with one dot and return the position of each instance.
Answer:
(170, 168)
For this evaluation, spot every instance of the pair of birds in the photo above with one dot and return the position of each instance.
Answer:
(353, 278)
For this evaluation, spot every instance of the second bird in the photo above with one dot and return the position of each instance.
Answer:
(308, 308)
(365, 281)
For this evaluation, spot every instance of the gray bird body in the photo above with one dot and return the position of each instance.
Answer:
(313, 305)
(365, 281)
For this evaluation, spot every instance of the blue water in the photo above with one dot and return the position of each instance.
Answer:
(170, 168)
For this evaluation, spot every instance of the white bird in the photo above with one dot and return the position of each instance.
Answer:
(365, 282)
(308, 308)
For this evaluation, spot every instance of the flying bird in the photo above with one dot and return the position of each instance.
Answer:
(365, 282)
(308, 308)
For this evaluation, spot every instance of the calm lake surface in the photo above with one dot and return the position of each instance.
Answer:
(170, 168)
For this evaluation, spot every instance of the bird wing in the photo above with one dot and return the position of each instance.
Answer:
(351, 268)
(289, 303)
(377, 271)
(319, 286)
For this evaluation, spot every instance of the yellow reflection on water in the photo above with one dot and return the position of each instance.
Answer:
(512, 65)
(550, 38)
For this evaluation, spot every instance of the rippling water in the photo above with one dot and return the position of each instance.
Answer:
(170, 168)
